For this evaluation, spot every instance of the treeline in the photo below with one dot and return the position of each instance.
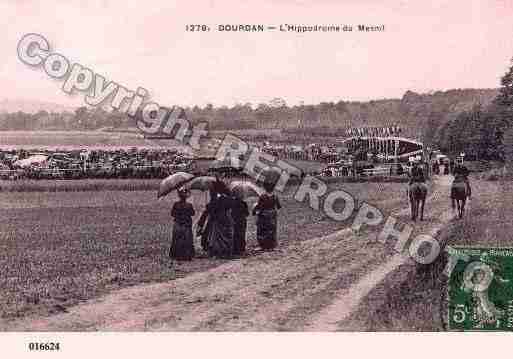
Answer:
(484, 132)
(81, 119)
(414, 112)
(478, 133)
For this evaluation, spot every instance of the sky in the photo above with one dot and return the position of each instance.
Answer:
(426, 46)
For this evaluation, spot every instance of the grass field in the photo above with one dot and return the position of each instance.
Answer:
(82, 185)
(29, 139)
(60, 248)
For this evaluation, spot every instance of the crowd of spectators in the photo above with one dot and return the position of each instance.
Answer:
(103, 163)
(312, 152)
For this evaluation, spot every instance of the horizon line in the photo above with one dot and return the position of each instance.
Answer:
(254, 104)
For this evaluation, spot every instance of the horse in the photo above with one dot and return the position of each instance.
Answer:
(459, 196)
(417, 193)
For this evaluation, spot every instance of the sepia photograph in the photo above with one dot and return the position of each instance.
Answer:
(255, 167)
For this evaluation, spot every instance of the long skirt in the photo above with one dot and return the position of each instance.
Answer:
(182, 244)
(267, 224)
(239, 236)
(218, 239)
(460, 190)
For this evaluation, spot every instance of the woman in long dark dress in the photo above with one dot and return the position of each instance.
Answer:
(266, 210)
(240, 213)
(182, 245)
(217, 234)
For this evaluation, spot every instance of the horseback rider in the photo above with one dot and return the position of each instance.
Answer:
(461, 173)
(417, 190)
(417, 174)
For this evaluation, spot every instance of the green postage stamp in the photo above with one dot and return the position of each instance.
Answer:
(480, 289)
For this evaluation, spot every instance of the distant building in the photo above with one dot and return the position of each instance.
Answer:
(386, 148)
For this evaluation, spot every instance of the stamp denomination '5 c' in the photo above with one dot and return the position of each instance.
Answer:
(480, 291)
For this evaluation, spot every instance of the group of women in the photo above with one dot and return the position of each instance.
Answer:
(222, 225)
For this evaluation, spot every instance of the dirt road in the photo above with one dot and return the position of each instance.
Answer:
(308, 285)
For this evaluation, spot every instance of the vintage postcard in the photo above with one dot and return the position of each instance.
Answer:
(255, 166)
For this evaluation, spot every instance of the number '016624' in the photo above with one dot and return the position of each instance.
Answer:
(44, 346)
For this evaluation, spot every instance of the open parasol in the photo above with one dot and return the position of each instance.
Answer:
(245, 189)
(172, 182)
(269, 175)
(207, 183)
(202, 183)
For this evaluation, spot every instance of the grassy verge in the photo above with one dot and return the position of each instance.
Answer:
(149, 184)
(80, 185)
(413, 298)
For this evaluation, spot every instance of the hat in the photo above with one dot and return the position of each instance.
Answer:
(182, 191)
(220, 187)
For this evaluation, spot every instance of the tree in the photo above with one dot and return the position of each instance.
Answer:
(503, 103)
(341, 107)
(209, 108)
(505, 97)
(507, 148)
(325, 109)
(277, 103)
(81, 116)
(278, 110)
(42, 113)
